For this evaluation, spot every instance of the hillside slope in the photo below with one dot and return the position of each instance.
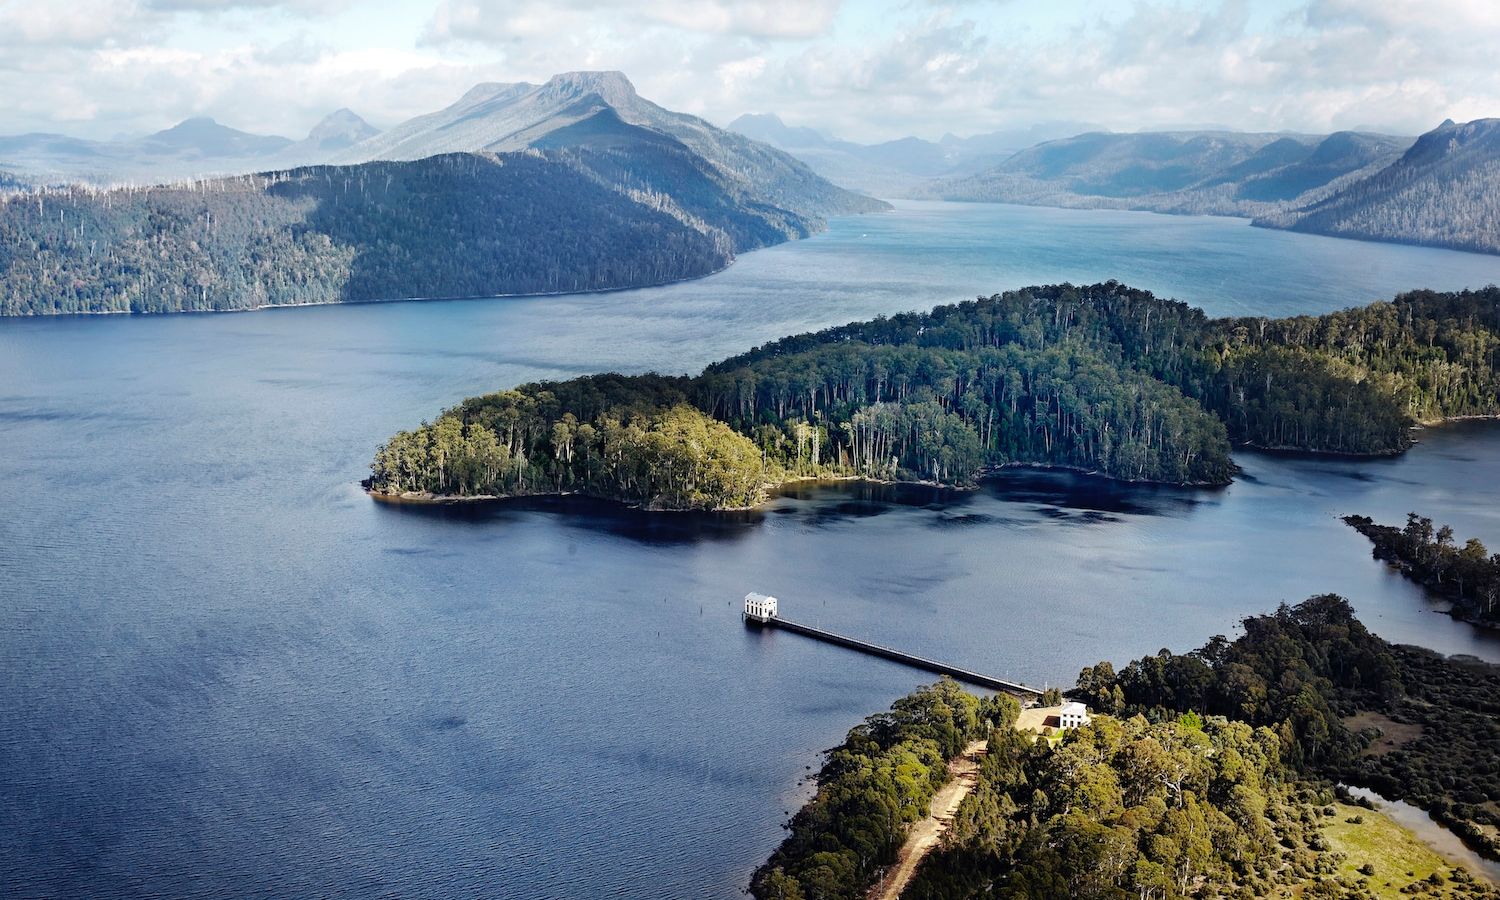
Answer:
(458, 225)
(1444, 191)
(1206, 172)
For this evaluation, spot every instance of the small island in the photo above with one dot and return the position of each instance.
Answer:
(1103, 379)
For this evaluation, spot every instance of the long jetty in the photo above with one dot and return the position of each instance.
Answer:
(918, 662)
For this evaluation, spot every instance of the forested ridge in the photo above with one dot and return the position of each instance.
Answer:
(1439, 190)
(459, 225)
(1101, 378)
(1442, 192)
(1467, 574)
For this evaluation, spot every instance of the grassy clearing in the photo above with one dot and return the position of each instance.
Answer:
(1393, 735)
(1398, 857)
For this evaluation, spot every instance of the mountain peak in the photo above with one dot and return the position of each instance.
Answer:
(750, 119)
(339, 129)
(614, 87)
(203, 136)
(769, 128)
(1449, 138)
(193, 125)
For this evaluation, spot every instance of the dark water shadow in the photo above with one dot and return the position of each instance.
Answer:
(1067, 497)
(1074, 496)
(823, 503)
(590, 514)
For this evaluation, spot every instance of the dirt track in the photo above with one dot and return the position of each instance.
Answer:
(964, 773)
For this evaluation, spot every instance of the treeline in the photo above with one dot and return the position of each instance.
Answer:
(1307, 672)
(459, 225)
(872, 788)
(1100, 378)
(939, 412)
(630, 439)
(1350, 382)
(1469, 575)
(1438, 354)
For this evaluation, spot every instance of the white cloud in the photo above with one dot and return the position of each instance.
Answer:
(867, 72)
(41, 26)
(507, 20)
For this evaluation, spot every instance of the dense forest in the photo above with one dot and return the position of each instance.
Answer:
(1169, 805)
(632, 439)
(1101, 378)
(1469, 575)
(1346, 705)
(460, 225)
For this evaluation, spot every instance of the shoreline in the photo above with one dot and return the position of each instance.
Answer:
(423, 498)
(426, 498)
(463, 299)
(772, 489)
(1364, 525)
(1327, 454)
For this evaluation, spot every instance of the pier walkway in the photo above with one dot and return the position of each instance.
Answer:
(760, 614)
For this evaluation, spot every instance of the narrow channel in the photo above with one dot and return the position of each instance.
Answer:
(1432, 833)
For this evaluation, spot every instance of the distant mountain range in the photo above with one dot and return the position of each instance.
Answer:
(761, 181)
(194, 147)
(894, 168)
(1443, 191)
(574, 185)
(1216, 173)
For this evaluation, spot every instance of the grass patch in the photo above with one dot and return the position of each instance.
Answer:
(1393, 735)
(1392, 851)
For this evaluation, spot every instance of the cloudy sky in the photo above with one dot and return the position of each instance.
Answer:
(861, 69)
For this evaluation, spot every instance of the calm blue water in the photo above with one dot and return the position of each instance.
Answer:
(227, 672)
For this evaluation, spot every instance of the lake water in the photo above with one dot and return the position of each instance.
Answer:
(226, 671)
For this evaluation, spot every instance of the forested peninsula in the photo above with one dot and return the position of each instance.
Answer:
(1101, 378)
(1207, 774)
(1467, 574)
(456, 225)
